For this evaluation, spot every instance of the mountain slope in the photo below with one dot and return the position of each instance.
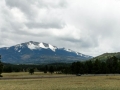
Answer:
(105, 56)
(39, 53)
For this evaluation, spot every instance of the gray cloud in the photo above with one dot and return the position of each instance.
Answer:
(54, 24)
(83, 42)
(24, 6)
(29, 6)
(89, 26)
(35, 9)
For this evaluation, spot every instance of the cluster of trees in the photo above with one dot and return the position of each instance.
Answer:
(110, 66)
(51, 68)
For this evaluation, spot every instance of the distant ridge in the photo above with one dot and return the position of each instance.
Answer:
(105, 56)
(39, 53)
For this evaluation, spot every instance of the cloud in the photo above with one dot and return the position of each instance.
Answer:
(53, 24)
(89, 26)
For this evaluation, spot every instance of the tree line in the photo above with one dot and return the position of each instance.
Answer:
(109, 66)
(49, 68)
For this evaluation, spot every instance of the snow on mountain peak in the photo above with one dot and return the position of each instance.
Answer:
(7, 47)
(17, 47)
(79, 54)
(42, 46)
(69, 50)
(38, 45)
(34, 45)
(52, 47)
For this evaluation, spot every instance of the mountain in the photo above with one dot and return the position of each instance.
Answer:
(105, 56)
(39, 53)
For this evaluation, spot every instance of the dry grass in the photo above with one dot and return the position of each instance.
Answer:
(23, 74)
(66, 83)
(27, 74)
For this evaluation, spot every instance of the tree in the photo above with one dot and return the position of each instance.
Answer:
(1, 67)
(96, 67)
(112, 63)
(88, 67)
(66, 70)
(77, 68)
(45, 69)
(7, 69)
(31, 71)
(51, 69)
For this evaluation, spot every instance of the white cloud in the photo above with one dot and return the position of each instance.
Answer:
(18, 15)
(88, 26)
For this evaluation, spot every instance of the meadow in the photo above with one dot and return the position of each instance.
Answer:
(69, 82)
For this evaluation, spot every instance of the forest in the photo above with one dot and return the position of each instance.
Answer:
(109, 66)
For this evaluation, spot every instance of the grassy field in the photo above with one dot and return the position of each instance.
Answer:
(85, 82)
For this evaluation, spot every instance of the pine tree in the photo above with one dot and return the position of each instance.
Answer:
(31, 71)
(51, 69)
(1, 67)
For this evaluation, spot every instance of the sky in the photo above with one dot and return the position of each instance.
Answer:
(91, 27)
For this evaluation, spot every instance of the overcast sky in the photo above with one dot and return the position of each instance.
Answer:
(90, 27)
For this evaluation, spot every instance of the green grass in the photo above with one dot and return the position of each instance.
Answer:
(110, 82)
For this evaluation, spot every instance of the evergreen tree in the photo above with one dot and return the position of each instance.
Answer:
(7, 69)
(77, 68)
(88, 67)
(45, 69)
(96, 67)
(51, 69)
(103, 68)
(112, 64)
(115, 64)
(31, 71)
(1, 67)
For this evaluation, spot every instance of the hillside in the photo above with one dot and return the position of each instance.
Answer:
(104, 56)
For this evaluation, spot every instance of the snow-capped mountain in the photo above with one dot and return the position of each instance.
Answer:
(38, 53)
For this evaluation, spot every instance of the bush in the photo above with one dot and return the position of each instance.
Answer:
(1, 76)
(31, 71)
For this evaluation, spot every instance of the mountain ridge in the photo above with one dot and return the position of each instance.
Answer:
(105, 56)
(39, 52)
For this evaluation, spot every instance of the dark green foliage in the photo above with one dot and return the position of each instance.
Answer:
(51, 69)
(7, 69)
(1, 76)
(66, 70)
(77, 68)
(45, 69)
(88, 66)
(58, 67)
(96, 66)
(31, 71)
(1, 67)
(109, 66)
(112, 64)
